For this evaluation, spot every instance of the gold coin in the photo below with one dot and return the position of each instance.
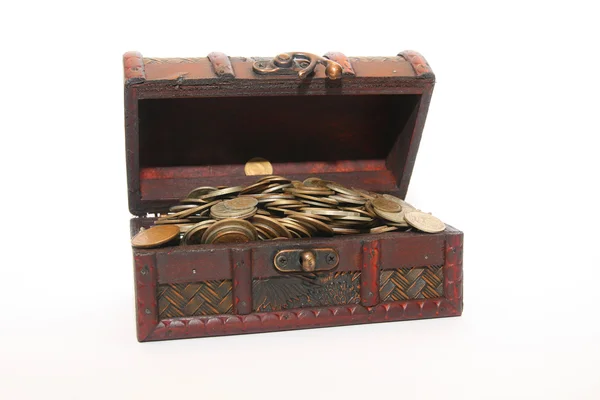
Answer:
(194, 234)
(220, 211)
(366, 194)
(255, 188)
(340, 198)
(313, 181)
(192, 201)
(276, 188)
(318, 204)
(295, 227)
(181, 207)
(222, 192)
(343, 190)
(239, 225)
(345, 231)
(362, 212)
(312, 221)
(325, 200)
(274, 179)
(390, 216)
(230, 237)
(273, 223)
(329, 212)
(406, 207)
(201, 191)
(171, 221)
(424, 222)
(191, 211)
(386, 205)
(241, 203)
(382, 229)
(155, 236)
(314, 216)
(292, 221)
(309, 191)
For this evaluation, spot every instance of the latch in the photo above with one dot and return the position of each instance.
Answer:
(301, 260)
(297, 63)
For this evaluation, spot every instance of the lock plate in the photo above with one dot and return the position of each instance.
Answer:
(306, 260)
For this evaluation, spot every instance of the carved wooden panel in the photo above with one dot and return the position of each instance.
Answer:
(193, 299)
(411, 283)
(298, 291)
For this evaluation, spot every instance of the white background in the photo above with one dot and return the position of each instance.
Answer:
(509, 155)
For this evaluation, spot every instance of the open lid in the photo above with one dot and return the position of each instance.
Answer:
(193, 122)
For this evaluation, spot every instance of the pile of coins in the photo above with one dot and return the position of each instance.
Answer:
(278, 208)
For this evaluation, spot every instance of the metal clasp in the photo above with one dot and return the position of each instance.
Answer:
(297, 62)
(300, 260)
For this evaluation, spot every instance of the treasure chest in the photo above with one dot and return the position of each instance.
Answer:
(224, 122)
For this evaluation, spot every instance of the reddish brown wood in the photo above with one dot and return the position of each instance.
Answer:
(221, 65)
(145, 293)
(453, 271)
(241, 262)
(133, 67)
(190, 112)
(341, 59)
(318, 317)
(205, 262)
(186, 126)
(418, 63)
(369, 276)
(177, 264)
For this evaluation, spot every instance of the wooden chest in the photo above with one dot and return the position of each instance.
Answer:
(196, 122)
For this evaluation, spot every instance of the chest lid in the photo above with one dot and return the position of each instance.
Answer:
(193, 122)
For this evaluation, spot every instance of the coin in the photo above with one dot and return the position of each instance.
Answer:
(424, 222)
(310, 220)
(277, 188)
(383, 228)
(155, 236)
(230, 237)
(255, 188)
(220, 211)
(343, 190)
(406, 207)
(191, 211)
(365, 193)
(229, 225)
(181, 207)
(222, 192)
(301, 213)
(275, 207)
(171, 221)
(317, 204)
(194, 234)
(241, 203)
(325, 200)
(272, 223)
(386, 205)
(311, 191)
(345, 231)
(348, 199)
(390, 216)
(200, 191)
(329, 212)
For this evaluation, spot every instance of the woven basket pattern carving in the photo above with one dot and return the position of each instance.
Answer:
(282, 293)
(193, 299)
(411, 283)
